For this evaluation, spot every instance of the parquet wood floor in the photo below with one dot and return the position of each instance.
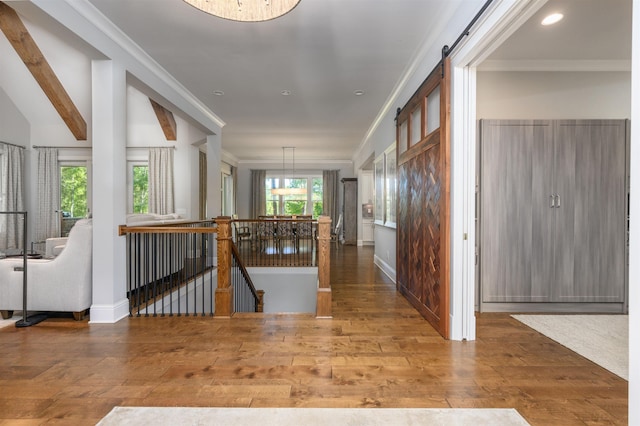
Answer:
(377, 351)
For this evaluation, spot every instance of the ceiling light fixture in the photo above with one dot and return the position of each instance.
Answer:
(552, 19)
(245, 10)
(358, 92)
(285, 92)
(218, 92)
(284, 190)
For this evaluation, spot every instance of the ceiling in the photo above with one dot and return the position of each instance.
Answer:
(322, 52)
(591, 30)
(325, 50)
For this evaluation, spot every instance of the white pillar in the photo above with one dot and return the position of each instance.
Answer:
(109, 136)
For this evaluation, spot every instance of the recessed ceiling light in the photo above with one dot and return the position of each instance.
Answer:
(218, 92)
(552, 19)
(285, 92)
(358, 92)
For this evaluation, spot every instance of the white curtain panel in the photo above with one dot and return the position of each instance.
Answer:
(161, 180)
(48, 213)
(11, 197)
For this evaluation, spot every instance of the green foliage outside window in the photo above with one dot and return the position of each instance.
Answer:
(73, 191)
(294, 204)
(140, 189)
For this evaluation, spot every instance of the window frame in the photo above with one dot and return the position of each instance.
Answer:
(78, 163)
(130, 166)
(309, 176)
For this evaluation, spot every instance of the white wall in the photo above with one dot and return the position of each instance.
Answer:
(302, 167)
(144, 130)
(382, 133)
(553, 95)
(14, 127)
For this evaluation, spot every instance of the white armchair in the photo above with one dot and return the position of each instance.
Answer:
(62, 284)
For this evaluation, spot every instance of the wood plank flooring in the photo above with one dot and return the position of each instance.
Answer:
(375, 352)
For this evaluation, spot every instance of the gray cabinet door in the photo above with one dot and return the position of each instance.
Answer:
(590, 220)
(516, 234)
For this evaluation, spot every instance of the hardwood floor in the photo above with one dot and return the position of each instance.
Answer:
(375, 352)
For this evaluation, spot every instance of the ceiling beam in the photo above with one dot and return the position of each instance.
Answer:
(166, 120)
(24, 45)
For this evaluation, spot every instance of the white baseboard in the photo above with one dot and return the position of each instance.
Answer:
(385, 267)
(109, 314)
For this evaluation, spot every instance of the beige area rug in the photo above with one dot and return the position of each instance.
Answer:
(311, 416)
(603, 339)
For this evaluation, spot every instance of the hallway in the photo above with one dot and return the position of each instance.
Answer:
(377, 351)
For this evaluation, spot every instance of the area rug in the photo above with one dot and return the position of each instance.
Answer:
(11, 321)
(311, 416)
(603, 339)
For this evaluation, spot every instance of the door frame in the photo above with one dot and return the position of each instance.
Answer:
(500, 20)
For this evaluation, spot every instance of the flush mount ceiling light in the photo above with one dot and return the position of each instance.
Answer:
(245, 10)
(358, 92)
(552, 19)
(284, 190)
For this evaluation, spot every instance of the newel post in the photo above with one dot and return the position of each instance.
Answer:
(323, 303)
(224, 292)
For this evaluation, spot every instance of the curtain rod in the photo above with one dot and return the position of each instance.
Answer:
(89, 147)
(146, 147)
(61, 147)
(13, 144)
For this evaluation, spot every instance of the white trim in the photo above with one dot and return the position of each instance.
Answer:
(109, 314)
(500, 20)
(385, 268)
(555, 65)
(634, 219)
(313, 162)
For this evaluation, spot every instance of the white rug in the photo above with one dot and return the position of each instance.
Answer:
(11, 321)
(120, 416)
(603, 339)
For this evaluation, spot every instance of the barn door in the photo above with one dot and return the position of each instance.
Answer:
(423, 153)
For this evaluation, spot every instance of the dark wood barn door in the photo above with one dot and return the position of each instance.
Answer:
(423, 152)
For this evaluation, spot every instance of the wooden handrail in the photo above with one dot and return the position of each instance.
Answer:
(258, 295)
(169, 228)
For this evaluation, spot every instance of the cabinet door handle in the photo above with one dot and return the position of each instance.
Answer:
(553, 201)
(557, 201)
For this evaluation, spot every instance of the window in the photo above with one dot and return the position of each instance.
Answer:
(304, 199)
(138, 187)
(73, 191)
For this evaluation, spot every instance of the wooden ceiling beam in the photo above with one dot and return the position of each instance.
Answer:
(166, 120)
(19, 37)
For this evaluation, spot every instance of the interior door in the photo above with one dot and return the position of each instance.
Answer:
(517, 211)
(590, 222)
(423, 214)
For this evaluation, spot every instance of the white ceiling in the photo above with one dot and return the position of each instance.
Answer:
(593, 33)
(324, 50)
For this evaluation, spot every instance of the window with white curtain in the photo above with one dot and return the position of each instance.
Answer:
(137, 187)
(309, 203)
(75, 188)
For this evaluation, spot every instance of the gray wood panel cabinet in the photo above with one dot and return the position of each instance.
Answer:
(552, 211)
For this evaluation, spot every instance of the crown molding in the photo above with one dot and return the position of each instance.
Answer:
(314, 162)
(555, 65)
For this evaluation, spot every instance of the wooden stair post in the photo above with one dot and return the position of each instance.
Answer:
(224, 292)
(323, 303)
